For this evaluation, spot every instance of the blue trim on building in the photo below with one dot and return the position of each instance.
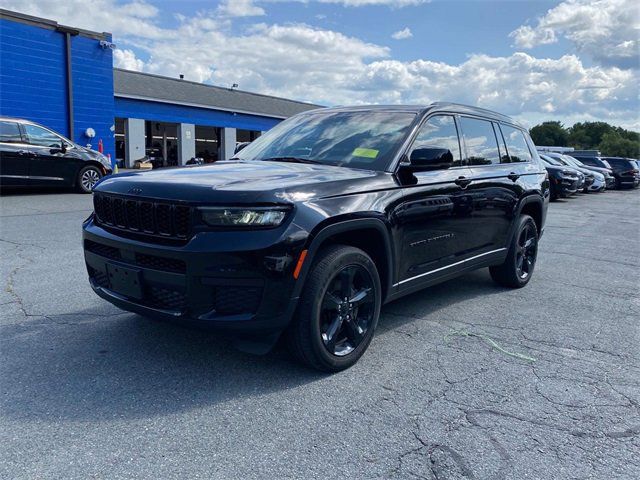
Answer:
(172, 113)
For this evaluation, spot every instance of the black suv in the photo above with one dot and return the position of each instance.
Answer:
(319, 222)
(34, 156)
(625, 171)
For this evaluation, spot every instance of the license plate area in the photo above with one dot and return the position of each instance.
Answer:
(125, 281)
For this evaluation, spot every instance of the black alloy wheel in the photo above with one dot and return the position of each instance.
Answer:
(347, 310)
(338, 310)
(517, 268)
(526, 251)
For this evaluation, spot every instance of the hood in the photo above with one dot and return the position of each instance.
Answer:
(244, 182)
(557, 169)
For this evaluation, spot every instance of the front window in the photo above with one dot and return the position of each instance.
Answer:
(42, 137)
(440, 132)
(357, 139)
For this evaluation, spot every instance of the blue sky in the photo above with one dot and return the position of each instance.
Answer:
(572, 60)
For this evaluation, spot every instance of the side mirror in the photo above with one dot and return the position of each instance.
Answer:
(59, 149)
(430, 158)
(240, 146)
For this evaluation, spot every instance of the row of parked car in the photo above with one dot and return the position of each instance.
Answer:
(587, 171)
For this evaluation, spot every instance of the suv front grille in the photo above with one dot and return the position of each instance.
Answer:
(165, 298)
(236, 300)
(102, 250)
(143, 216)
(161, 263)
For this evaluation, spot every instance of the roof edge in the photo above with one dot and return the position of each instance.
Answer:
(49, 24)
(245, 92)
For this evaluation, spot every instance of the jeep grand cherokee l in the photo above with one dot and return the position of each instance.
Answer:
(319, 222)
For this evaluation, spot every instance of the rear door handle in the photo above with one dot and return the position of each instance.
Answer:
(462, 181)
(513, 176)
(23, 153)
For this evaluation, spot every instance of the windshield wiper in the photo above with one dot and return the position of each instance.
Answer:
(291, 159)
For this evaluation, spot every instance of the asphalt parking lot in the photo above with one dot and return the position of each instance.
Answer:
(464, 380)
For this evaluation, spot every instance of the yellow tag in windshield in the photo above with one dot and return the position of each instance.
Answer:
(365, 152)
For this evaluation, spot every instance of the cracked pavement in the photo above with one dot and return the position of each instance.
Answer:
(89, 391)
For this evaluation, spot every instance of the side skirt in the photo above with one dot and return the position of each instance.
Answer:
(428, 279)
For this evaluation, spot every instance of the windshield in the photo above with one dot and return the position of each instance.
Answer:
(574, 161)
(551, 161)
(357, 139)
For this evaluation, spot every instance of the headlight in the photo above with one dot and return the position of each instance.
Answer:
(243, 217)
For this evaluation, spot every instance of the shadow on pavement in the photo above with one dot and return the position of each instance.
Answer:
(79, 367)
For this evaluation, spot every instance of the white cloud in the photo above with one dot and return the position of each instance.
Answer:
(606, 30)
(127, 59)
(402, 34)
(390, 3)
(324, 66)
(240, 8)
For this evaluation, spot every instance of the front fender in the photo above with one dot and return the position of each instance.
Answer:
(326, 232)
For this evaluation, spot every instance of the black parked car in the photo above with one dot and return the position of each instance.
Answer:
(589, 175)
(596, 164)
(625, 171)
(32, 155)
(564, 180)
(320, 221)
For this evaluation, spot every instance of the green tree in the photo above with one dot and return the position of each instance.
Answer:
(615, 145)
(552, 134)
(588, 135)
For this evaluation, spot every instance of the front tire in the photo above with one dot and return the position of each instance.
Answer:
(338, 311)
(87, 178)
(518, 267)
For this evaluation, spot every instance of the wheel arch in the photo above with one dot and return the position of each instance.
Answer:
(368, 234)
(88, 163)
(533, 206)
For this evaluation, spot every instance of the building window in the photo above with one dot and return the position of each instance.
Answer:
(246, 135)
(207, 143)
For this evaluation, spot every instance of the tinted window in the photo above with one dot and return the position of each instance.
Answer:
(516, 144)
(588, 161)
(551, 161)
(620, 164)
(10, 132)
(42, 137)
(440, 132)
(480, 140)
(358, 139)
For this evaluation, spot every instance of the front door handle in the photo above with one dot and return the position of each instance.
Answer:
(23, 153)
(513, 176)
(462, 181)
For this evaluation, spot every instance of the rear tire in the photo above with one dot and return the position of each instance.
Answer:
(87, 177)
(517, 269)
(329, 333)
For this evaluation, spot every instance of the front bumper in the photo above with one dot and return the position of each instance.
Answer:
(567, 186)
(205, 281)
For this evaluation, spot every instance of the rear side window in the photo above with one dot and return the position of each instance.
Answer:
(480, 141)
(440, 132)
(10, 132)
(516, 144)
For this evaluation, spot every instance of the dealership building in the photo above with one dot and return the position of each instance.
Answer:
(63, 78)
